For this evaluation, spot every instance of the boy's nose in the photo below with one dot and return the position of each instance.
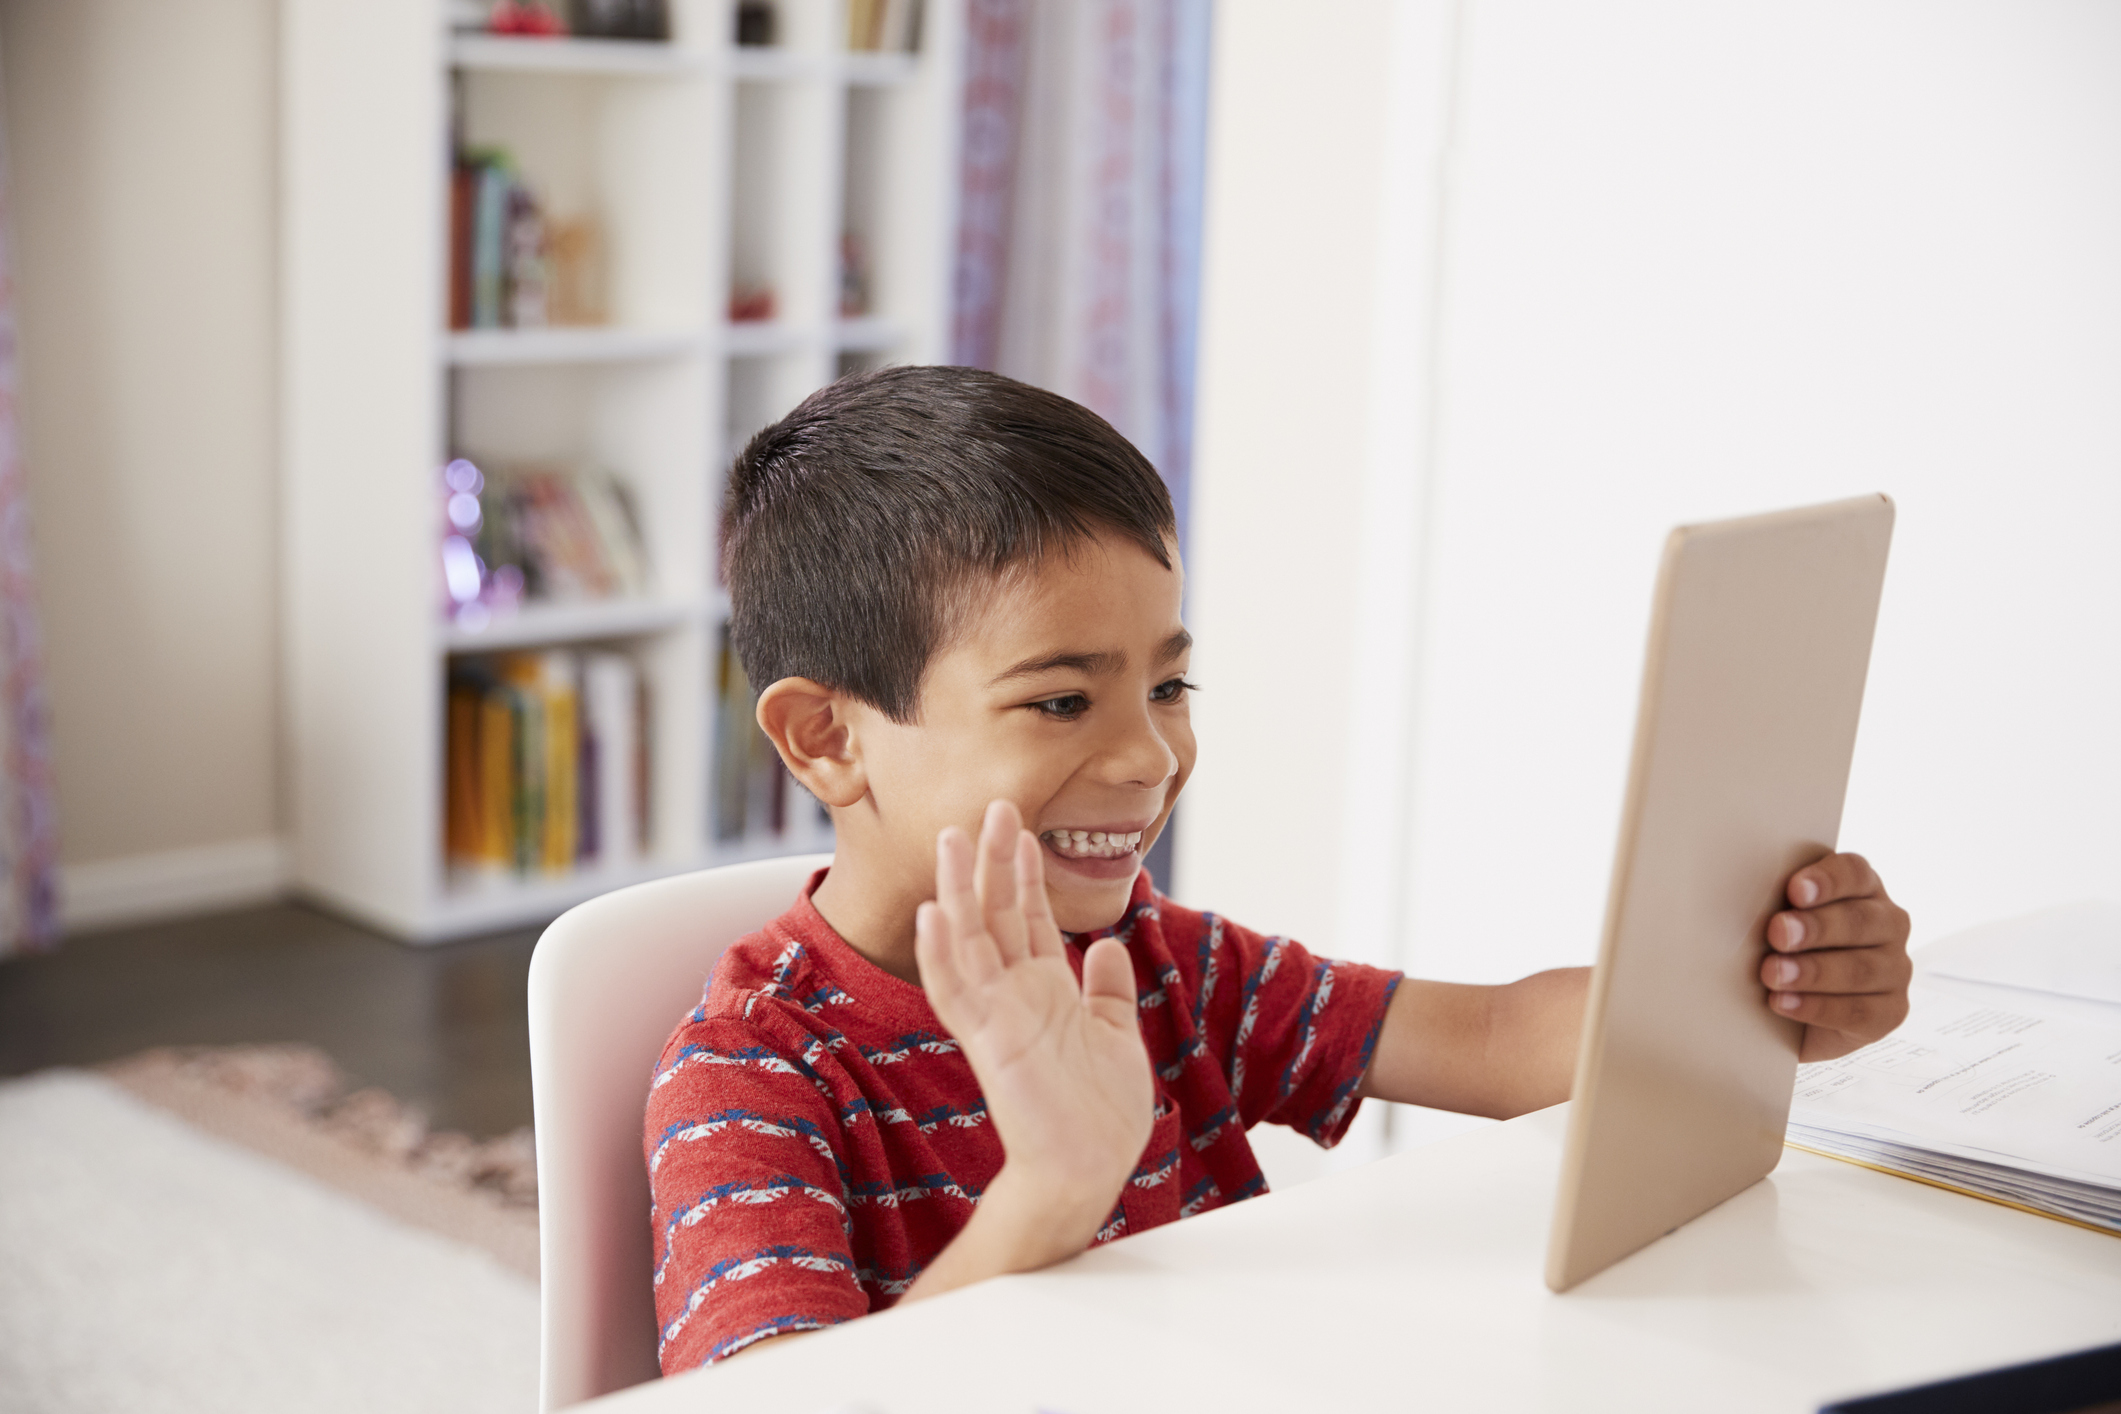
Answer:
(1141, 756)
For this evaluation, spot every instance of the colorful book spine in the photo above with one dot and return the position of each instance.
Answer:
(462, 824)
(496, 754)
(489, 247)
(463, 202)
(562, 813)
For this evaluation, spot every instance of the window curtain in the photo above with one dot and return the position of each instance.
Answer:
(1078, 260)
(29, 902)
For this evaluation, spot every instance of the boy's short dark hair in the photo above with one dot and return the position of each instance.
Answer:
(852, 527)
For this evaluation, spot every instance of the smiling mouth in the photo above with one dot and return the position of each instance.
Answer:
(1092, 844)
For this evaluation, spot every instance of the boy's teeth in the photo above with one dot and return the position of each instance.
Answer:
(1093, 844)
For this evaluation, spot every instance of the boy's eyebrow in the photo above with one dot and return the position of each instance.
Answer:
(1095, 664)
(1089, 664)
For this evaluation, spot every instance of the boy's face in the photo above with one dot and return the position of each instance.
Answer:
(1063, 692)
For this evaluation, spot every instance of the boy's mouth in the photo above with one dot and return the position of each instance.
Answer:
(1092, 844)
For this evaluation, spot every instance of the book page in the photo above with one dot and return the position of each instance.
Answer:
(1992, 1073)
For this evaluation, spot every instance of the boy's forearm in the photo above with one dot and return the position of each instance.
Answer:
(1494, 1051)
(1534, 1027)
(1020, 1225)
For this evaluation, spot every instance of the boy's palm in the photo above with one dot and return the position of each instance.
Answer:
(1062, 1065)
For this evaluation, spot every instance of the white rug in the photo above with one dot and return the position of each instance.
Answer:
(148, 1267)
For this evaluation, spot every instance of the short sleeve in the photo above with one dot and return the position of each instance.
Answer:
(1303, 1029)
(749, 1200)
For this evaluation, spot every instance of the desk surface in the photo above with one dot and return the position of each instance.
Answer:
(1414, 1282)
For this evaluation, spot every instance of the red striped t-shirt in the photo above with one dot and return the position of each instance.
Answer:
(814, 1137)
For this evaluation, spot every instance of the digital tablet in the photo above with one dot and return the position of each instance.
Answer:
(1760, 640)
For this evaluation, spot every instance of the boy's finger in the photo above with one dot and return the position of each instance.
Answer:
(1042, 933)
(1851, 923)
(1878, 969)
(970, 946)
(1108, 982)
(1837, 876)
(932, 951)
(953, 877)
(995, 880)
(991, 831)
(1865, 1017)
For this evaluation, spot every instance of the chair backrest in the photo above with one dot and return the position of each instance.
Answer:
(609, 981)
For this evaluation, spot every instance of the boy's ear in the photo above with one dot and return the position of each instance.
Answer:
(808, 724)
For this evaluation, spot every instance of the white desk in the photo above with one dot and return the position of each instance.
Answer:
(1414, 1283)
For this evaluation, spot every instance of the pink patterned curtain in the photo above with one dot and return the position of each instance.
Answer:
(29, 904)
(1078, 263)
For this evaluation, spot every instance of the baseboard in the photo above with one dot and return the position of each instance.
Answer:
(142, 888)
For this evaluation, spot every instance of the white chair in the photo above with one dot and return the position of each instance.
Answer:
(609, 981)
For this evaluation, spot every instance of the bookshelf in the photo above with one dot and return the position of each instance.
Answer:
(707, 169)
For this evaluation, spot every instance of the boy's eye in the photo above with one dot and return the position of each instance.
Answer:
(1172, 690)
(1065, 708)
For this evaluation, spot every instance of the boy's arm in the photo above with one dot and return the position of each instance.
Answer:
(1061, 1064)
(1495, 1051)
(1838, 963)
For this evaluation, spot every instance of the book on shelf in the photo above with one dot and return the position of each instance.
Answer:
(887, 26)
(541, 532)
(545, 763)
(512, 264)
(496, 240)
(754, 796)
(2004, 1081)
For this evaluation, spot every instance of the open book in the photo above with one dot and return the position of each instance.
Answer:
(2005, 1080)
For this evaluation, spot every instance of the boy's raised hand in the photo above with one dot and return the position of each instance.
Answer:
(1838, 960)
(1062, 1065)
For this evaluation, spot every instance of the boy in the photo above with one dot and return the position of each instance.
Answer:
(952, 1060)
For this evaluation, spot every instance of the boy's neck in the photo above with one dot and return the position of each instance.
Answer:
(872, 911)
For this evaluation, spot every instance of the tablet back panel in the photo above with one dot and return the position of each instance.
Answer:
(1759, 644)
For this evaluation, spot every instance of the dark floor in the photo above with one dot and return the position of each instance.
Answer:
(442, 1027)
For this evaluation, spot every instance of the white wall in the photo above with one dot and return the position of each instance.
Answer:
(1319, 195)
(141, 201)
(1682, 261)
(1701, 260)
(1324, 151)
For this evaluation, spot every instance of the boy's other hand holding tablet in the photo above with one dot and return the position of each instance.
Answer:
(1840, 961)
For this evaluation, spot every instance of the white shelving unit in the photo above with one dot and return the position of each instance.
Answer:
(706, 167)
